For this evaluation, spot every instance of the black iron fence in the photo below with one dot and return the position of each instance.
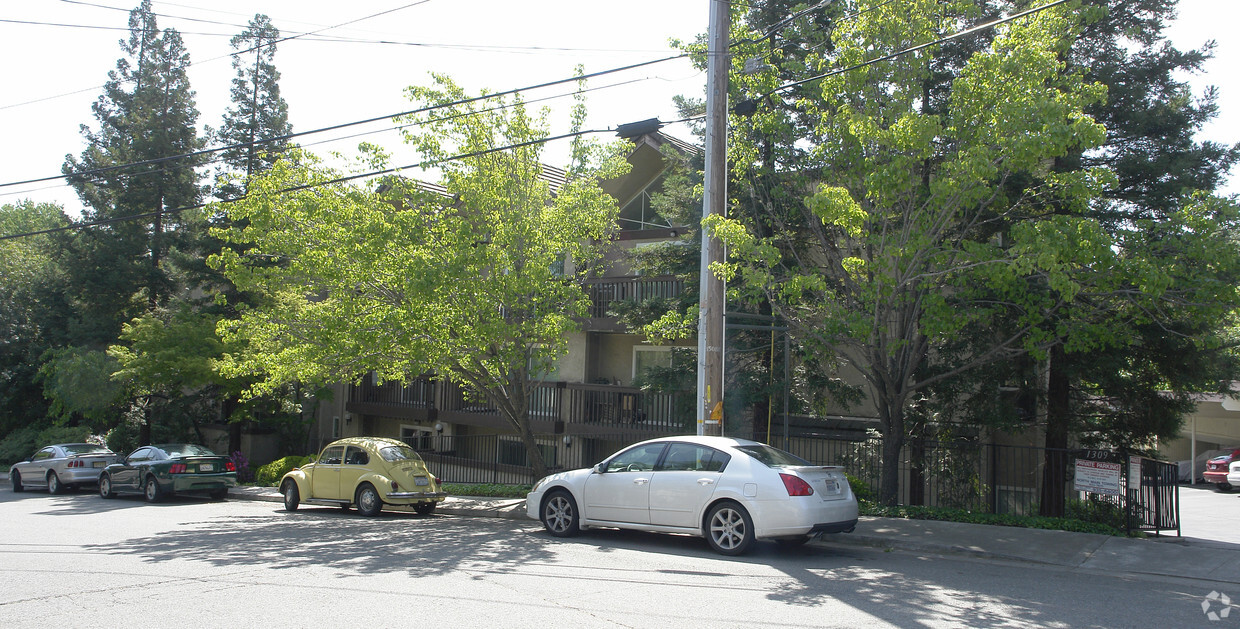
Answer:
(968, 475)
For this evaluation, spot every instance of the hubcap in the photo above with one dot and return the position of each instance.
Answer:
(105, 486)
(559, 514)
(367, 500)
(150, 489)
(727, 528)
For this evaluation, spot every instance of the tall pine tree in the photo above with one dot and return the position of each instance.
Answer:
(256, 123)
(132, 173)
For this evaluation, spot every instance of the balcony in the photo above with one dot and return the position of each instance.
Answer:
(556, 407)
(606, 291)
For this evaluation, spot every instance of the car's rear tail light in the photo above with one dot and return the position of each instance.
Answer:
(177, 468)
(796, 485)
(74, 463)
(229, 466)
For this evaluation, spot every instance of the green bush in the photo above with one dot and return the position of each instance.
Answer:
(270, 474)
(995, 519)
(860, 489)
(488, 490)
(23, 442)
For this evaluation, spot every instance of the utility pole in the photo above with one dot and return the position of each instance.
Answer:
(712, 303)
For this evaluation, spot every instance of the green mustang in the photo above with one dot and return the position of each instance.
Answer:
(167, 469)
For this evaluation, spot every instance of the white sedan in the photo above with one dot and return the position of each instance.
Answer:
(1233, 474)
(730, 491)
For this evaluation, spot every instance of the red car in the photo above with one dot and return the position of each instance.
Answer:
(1216, 469)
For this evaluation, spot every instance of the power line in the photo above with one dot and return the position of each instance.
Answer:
(106, 169)
(365, 133)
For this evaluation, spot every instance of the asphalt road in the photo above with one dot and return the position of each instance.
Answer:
(79, 560)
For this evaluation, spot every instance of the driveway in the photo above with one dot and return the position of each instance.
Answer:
(1209, 515)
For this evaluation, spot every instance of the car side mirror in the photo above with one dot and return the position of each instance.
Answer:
(599, 469)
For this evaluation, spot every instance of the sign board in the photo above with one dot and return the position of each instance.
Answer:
(1099, 477)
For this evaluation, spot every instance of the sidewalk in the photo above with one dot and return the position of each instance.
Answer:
(1163, 556)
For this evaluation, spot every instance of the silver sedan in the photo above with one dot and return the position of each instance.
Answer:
(61, 466)
(729, 491)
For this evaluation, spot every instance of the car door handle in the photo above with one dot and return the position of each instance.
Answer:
(706, 481)
(641, 481)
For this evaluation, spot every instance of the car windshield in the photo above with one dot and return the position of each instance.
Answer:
(773, 457)
(392, 454)
(85, 448)
(184, 449)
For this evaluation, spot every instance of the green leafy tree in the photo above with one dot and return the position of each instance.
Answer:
(129, 173)
(32, 308)
(478, 281)
(258, 117)
(897, 250)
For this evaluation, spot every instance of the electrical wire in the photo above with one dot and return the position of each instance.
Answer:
(107, 169)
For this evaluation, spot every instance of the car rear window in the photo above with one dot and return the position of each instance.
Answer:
(86, 448)
(773, 457)
(185, 449)
(392, 454)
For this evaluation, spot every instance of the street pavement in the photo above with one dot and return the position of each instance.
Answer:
(1208, 553)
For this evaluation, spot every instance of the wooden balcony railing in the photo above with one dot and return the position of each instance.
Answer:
(605, 291)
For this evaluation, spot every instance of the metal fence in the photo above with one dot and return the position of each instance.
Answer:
(969, 475)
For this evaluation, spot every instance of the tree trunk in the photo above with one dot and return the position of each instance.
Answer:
(1054, 457)
(893, 443)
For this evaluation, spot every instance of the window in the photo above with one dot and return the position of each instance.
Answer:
(45, 453)
(356, 456)
(86, 448)
(639, 459)
(646, 356)
(332, 456)
(512, 452)
(141, 454)
(392, 454)
(418, 437)
(773, 457)
(693, 458)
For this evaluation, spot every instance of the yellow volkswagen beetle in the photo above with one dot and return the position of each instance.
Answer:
(365, 471)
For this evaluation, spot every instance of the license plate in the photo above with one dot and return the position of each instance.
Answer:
(99, 463)
(832, 487)
(421, 481)
(206, 467)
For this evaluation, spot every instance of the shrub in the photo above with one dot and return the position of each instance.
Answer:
(242, 465)
(270, 474)
(488, 490)
(23, 442)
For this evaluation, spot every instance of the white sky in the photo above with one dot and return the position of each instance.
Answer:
(51, 74)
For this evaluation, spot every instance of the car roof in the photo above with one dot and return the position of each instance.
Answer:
(373, 442)
(63, 445)
(717, 442)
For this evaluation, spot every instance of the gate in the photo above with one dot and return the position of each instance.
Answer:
(1153, 494)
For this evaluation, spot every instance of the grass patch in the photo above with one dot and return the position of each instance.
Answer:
(994, 519)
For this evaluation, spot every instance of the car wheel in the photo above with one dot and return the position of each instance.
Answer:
(151, 490)
(292, 497)
(218, 494)
(729, 529)
(425, 508)
(105, 487)
(559, 514)
(1223, 487)
(368, 501)
(15, 479)
(53, 484)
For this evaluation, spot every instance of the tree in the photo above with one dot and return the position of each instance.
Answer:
(32, 309)
(929, 167)
(479, 281)
(256, 124)
(133, 172)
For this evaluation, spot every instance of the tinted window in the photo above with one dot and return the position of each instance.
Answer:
(86, 448)
(639, 459)
(45, 453)
(141, 454)
(393, 454)
(356, 456)
(175, 450)
(693, 458)
(332, 456)
(773, 457)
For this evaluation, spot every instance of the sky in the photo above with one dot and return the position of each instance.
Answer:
(52, 72)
